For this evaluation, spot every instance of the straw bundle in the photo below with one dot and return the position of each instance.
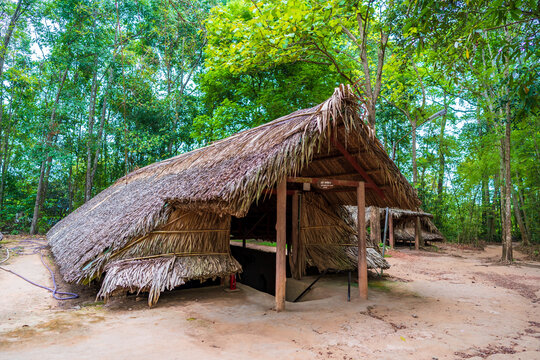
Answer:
(328, 237)
(164, 273)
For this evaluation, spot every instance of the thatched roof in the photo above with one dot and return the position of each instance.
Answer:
(226, 177)
(404, 223)
(407, 234)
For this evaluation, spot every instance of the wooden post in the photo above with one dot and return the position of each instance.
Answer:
(374, 226)
(281, 241)
(361, 221)
(391, 229)
(417, 234)
(293, 256)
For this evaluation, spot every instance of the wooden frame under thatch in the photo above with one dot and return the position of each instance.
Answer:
(168, 222)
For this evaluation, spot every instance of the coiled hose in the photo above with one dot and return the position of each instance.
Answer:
(37, 249)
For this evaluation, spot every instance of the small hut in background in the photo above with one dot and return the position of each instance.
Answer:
(170, 222)
(406, 226)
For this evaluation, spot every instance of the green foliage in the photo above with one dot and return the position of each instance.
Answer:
(170, 76)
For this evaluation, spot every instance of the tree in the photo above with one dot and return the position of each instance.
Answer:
(471, 35)
(336, 34)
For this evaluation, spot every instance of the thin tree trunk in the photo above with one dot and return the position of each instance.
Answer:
(414, 166)
(440, 173)
(3, 50)
(41, 190)
(526, 220)
(507, 211)
(40, 195)
(524, 234)
(487, 207)
(6, 151)
(90, 141)
(70, 186)
(5, 163)
(98, 140)
(496, 204)
(521, 204)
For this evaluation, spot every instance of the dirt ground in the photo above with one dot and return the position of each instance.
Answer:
(451, 304)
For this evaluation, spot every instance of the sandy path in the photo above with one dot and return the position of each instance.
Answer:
(452, 305)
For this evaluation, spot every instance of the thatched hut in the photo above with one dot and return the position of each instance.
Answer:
(171, 221)
(403, 225)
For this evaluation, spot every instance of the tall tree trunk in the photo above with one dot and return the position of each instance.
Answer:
(442, 160)
(372, 91)
(5, 163)
(40, 194)
(414, 121)
(487, 207)
(507, 211)
(70, 187)
(522, 229)
(496, 205)
(3, 51)
(45, 164)
(521, 204)
(6, 151)
(98, 140)
(9, 32)
(90, 141)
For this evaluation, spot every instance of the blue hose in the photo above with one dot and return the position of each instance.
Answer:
(37, 249)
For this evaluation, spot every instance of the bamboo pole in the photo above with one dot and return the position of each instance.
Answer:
(281, 241)
(391, 229)
(362, 261)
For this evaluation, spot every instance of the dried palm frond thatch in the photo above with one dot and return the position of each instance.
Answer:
(329, 238)
(163, 273)
(217, 181)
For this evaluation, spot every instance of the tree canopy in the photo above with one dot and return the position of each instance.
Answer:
(92, 90)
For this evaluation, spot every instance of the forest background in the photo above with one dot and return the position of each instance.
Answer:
(91, 90)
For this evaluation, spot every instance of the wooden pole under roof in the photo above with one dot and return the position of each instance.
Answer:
(391, 230)
(417, 233)
(281, 242)
(293, 256)
(361, 222)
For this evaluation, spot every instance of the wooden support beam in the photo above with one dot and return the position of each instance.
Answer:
(293, 253)
(336, 182)
(418, 238)
(373, 171)
(358, 168)
(361, 223)
(391, 229)
(281, 241)
(375, 226)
